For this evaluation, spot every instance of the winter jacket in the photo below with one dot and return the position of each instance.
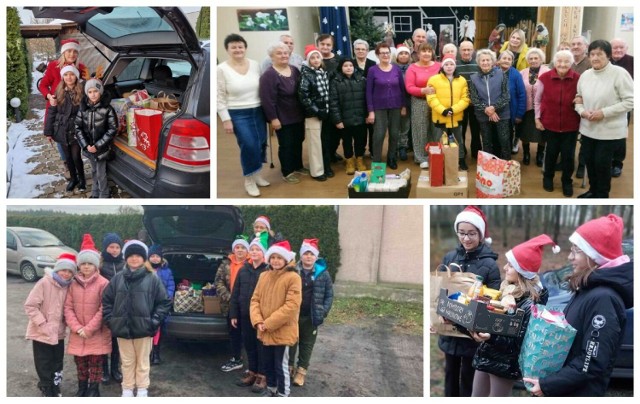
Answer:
(225, 280)
(83, 310)
(499, 355)
(166, 276)
(490, 89)
(452, 94)
(243, 289)
(597, 312)
(311, 84)
(45, 308)
(322, 292)
(481, 261)
(59, 123)
(110, 268)
(276, 303)
(96, 125)
(51, 79)
(517, 94)
(348, 100)
(135, 304)
(522, 56)
(553, 101)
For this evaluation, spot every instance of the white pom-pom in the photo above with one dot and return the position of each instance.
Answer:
(488, 241)
(555, 249)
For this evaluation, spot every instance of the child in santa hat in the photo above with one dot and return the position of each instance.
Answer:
(496, 360)
(473, 255)
(46, 328)
(317, 298)
(90, 339)
(602, 282)
(262, 229)
(275, 308)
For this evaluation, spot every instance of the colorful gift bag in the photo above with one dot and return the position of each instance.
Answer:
(496, 178)
(132, 130)
(546, 343)
(453, 281)
(121, 105)
(149, 125)
(188, 301)
(137, 96)
(436, 163)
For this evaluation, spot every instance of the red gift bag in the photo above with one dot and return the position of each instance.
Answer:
(149, 124)
(436, 163)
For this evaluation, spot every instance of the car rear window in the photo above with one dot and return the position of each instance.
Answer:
(181, 229)
(129, 20)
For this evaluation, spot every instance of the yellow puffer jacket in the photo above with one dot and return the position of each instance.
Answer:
(522, 58)
(449, 94)
(276, 303)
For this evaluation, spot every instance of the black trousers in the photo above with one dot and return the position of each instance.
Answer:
(48, 360)
(598, 157)
(563, 144)
(235, 338)
(276, 358)
(74, 161)
(353, 137)
(496, 138)
(290, 138)
(469, 119)
(329, 144)
(458, 376)
(252, 345)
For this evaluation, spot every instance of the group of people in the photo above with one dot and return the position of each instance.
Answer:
(504, 97)
(79, 118)
(602, 285)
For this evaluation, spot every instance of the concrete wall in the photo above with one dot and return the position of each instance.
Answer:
(595, 16)
(381, 244)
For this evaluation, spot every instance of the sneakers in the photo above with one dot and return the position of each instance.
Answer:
(424, 165)
(515, 148)
(303, 171)
(291, 179)
(231, 365)
(616, 172)
(251, 187)
(261, 182)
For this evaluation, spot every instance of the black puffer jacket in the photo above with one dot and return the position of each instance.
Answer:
(314, 104)
(134, 304)
(60, 121)
(96, 125)
(481, 261)
(347, 99)
(243, 288)
(110, 265)
(499, 355)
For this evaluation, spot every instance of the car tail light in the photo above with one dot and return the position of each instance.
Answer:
(188, 143)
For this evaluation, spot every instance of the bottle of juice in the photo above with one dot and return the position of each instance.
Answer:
(476, 289)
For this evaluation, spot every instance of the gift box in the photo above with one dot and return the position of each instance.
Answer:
(425, 190)
(475, 316)
(402, 192)
(378, 173)
(188, 301)
(212, 305)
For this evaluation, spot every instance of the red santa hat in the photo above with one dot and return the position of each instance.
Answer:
(88, 251)
(402, 48)
(600, 239)
(69, 44)
(66, 261)
(474, 216)
(283, 249)
(310, 244)
(264, 220)
(449, 57)
(70, 68)
(526, 258)
(308, 50)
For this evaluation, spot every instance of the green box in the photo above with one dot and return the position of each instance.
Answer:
(378, 173)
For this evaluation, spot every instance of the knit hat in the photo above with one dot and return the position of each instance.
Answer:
(476, 217)
(309, 244)
(264, 220)
(402, 48)
(240, 240)
(66, 261)
(137, 247)
(111, 238)
(93, 83)
(526, 258)
(88, 252)
(308, 50)
(600, 239)
(69, 44)
(258, 242)
(155, 249)
(70, 68)
(283, 249)
(448, 58)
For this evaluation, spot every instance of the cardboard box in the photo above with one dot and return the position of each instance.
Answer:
(212, 305)
(425, 190)
(476, 317)
(401, 193)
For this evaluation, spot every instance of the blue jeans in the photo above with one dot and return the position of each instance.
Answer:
(251, 133)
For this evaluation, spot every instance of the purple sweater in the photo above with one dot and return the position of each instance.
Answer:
(385, 90)
(279, 96)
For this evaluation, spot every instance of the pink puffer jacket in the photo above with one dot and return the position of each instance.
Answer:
(45, 308)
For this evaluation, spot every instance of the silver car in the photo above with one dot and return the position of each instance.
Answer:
(30, 251)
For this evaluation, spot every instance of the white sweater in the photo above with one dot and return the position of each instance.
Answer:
(611, 90)
(237, 91)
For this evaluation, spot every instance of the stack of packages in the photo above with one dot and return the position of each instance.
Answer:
(497, 178)
(188, 298)
(377, 180)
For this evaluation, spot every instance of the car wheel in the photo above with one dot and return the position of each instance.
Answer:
(28, 272)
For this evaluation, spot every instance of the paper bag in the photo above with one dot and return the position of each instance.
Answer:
(451, 158)
(453, 281)
(436, 163)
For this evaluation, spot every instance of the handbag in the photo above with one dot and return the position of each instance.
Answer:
(165, 102)
(188, 301)
(453, 281)
(496, 178)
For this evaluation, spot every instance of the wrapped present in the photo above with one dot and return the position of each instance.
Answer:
(188, 301)
(132, 128)
(121, 105)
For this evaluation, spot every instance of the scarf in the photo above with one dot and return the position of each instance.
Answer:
(106, 257)
(533, 75)
(61, 281)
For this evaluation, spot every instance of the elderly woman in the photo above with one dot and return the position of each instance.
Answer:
(360, 50)
(386, 104)
(517, 44)
(605, 95)
(517, 94)
(526, 130)
(279, 99)
(489, 93)
(556, 118)
(240, 111)
(449, 49)
(422, 127)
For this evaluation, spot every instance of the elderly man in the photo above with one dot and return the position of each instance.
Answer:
(619, 57)
(419, 37)
(294, 58)
(466, 65)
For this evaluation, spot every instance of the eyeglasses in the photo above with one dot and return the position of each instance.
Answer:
(384, 53)
(575, 250)
(471, 236)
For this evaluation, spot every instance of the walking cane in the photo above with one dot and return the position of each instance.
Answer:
(269, 145)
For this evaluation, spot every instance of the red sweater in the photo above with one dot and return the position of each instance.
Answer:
(556, 109)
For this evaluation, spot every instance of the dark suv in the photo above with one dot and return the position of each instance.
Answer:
(152, 48)
(195, 240)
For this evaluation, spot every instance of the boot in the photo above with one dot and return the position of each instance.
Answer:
(292, 372)
(540, 155)
(115, 366)
(299, 379)
(260, 384)
(247, 380)
(526, 154)
(261, 182)
(105, 369)
(351, 165)
(67, 173)
(462, 165)
(251, 187)
(47, 391)
(360, 166)
(56, 390)
(72, 184)
(392, 164)
(82, 388)
(155, 355)
(93, 390)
